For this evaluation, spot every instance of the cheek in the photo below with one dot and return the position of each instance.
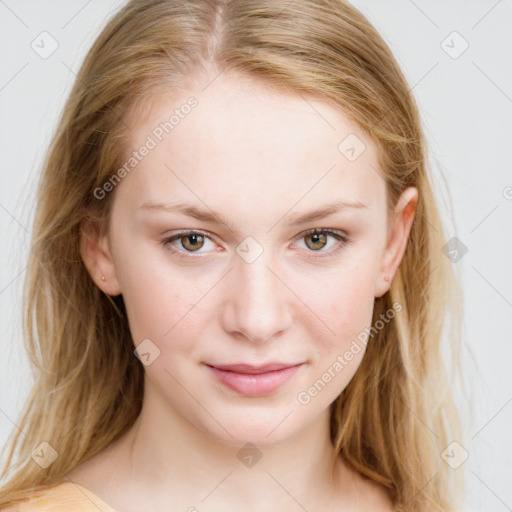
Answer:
(160, 301)
(162, 314)
(346, 303)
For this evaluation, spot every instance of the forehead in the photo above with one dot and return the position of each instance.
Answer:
(242, 139)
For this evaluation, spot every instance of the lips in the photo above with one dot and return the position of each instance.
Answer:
(247, 368)
(253, 380)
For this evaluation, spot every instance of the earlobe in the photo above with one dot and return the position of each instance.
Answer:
(395, 249)
(95, 253)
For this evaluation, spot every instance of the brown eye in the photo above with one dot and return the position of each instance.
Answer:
(318, 240)
(320, 243)
(187, 242)
(192, 242)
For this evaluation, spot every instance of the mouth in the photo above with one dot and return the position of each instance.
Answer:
(254, 380)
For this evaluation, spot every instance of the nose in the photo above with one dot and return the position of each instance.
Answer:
(259, 305)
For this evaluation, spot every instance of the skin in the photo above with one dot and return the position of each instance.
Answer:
(257, 157)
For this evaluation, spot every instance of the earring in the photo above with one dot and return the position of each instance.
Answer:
(386, 278)
(103, 278)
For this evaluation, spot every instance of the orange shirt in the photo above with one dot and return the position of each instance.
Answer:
(64, 497)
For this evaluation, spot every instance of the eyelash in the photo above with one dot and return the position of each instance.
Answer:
(338, 235)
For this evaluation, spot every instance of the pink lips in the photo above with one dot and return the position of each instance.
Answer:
(254, 380)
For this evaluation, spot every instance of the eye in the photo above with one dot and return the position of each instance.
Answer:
(317, 239)
(191, 241)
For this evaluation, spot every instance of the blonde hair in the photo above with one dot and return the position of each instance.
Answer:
(397, 414)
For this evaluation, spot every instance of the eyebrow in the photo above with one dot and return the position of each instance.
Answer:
(206, 215)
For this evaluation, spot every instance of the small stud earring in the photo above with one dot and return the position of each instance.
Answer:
(103, 278)
(386, 278)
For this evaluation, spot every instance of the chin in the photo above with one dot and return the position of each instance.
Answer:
(253, 430)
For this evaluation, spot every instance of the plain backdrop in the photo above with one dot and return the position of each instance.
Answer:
(457, 57)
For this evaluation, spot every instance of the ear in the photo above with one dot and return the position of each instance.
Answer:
(397, 239)
(95, 253)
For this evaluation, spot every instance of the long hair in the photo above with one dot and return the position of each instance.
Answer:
(397, 414)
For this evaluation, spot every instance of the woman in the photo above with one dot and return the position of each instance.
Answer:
(236, 294)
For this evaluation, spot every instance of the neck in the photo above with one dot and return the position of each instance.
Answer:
(165, 451)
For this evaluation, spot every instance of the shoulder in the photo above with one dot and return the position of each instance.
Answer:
(63, 497)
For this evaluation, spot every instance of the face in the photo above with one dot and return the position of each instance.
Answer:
(247, 237)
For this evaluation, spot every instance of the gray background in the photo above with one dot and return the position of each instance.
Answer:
(466, 105)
